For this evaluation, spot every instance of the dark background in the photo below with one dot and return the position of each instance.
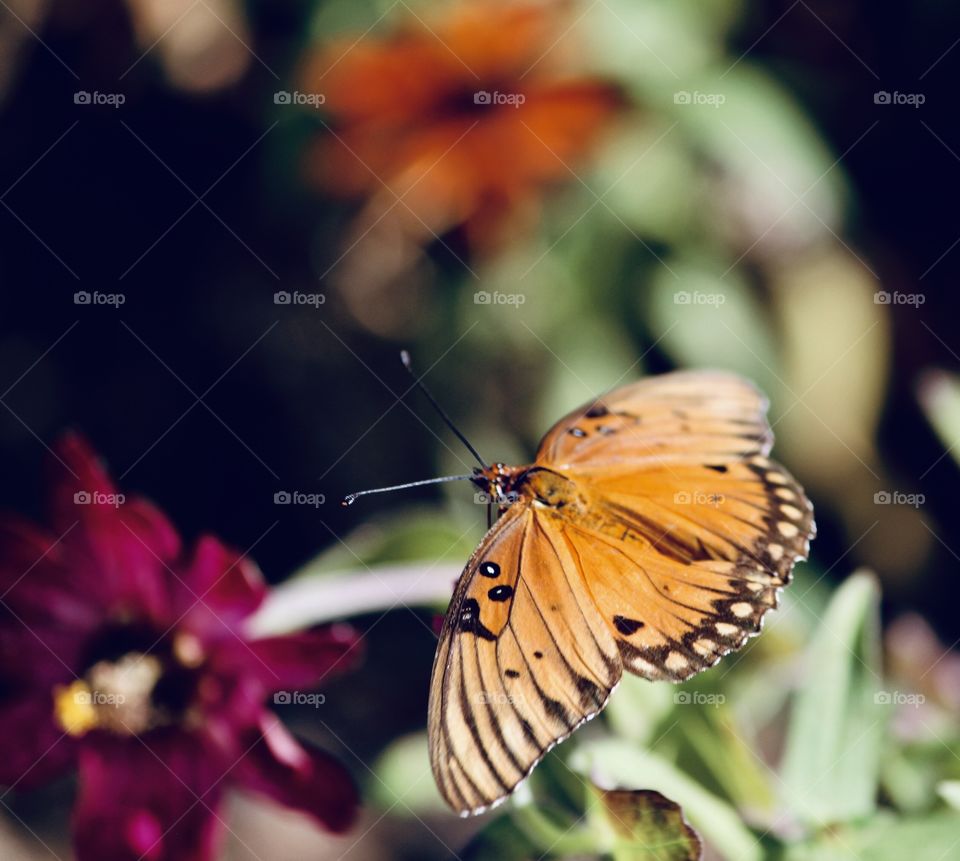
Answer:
(289, 394)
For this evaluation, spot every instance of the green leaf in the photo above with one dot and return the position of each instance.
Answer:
(930, 838)
(617, 763)
(402, 781)
(416, 534)
(940, 396)
(837, 724)
(701, 315)
(725, 752)
(949, 791)
(639, 708)
(501, 840)
(643, 825)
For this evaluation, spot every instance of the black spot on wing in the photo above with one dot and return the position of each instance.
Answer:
(489, 569)
(469, 620)
(627, 626)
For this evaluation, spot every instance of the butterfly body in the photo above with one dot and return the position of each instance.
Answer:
(651, 534)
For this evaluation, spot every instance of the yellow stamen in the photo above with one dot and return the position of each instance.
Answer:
(73, 708)
(115, 696)
(188, 650)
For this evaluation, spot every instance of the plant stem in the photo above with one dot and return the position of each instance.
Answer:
(308, 601)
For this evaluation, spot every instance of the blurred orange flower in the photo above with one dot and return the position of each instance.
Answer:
(459, 122)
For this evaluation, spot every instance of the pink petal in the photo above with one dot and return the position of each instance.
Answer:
(300, 777)
(154, 799)
(125, 543)
(36, 582)
(218, 590)
(306, 659)
(36, 654)
(76, 470)
(33, 750)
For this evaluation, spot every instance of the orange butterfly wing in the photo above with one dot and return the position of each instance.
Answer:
(524, 658)
(696, 530)
(651, 533)
(681, 417)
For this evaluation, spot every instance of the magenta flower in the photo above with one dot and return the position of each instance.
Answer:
(124, 658)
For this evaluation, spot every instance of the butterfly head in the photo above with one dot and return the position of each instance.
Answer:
(498, 482)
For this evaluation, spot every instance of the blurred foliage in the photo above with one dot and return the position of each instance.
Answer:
(714, 225)
(801, 781)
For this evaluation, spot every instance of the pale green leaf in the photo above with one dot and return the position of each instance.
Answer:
(837, 724)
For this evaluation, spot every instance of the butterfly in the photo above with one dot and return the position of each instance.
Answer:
(651, 534)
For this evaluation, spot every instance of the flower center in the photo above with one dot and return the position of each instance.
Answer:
(113, 695)
(131, 692)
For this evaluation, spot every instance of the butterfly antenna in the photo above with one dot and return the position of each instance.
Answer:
(405, 358)
(348, 500)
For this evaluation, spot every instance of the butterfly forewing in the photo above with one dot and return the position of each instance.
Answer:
(524, 658)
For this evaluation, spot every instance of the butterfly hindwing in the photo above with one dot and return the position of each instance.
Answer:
(524, 659)
(684, 563)
(691, 529)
